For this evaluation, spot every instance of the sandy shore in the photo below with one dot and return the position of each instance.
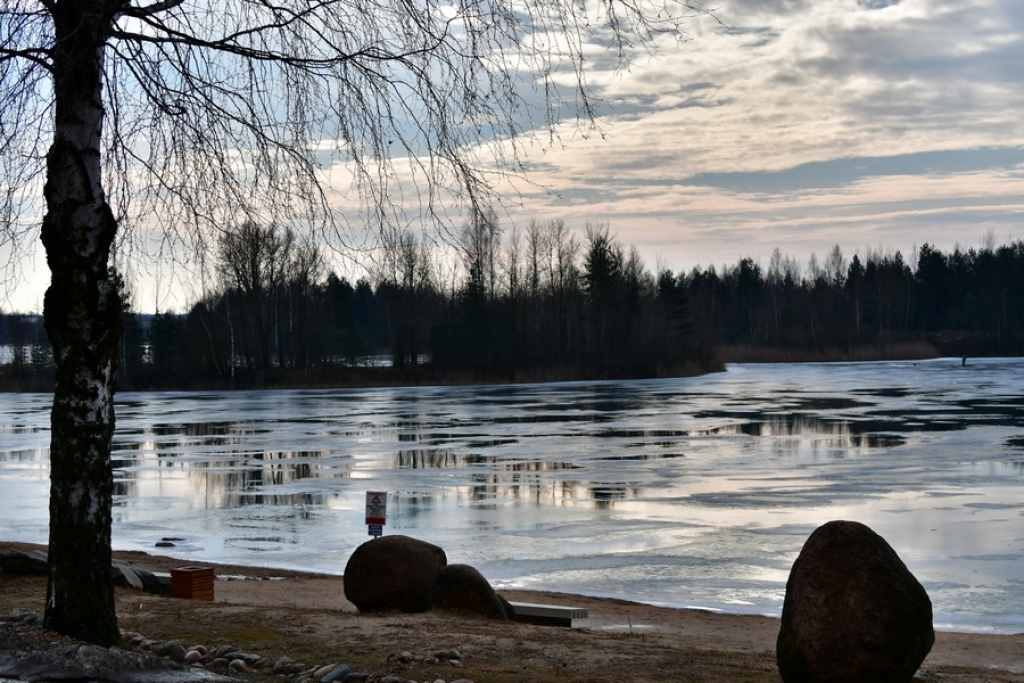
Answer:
(283, 612)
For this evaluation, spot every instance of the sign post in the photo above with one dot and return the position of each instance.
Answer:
(376, 512)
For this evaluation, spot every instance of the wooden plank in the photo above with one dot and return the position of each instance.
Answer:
(547, 615)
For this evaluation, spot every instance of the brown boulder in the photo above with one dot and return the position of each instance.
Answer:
(461, 587)
(392, 572)
(853, 611)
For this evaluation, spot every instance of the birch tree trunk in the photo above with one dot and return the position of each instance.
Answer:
(218, 107)
(83, 321)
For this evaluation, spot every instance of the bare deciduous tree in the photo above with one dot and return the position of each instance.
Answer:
(254, 261)
(180, 115)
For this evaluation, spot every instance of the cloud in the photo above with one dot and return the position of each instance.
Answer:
(791, 123)
(804, 124)
(791, 82)
(836, 173)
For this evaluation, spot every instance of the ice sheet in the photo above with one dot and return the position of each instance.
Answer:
(687, 492)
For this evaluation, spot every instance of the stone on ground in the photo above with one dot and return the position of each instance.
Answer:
(23, 562)
(127, 576)
(392, 572)
(853, 611)
(461, 587)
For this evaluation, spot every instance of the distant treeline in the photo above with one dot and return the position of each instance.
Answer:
(968, 302)
(543, 304)
(540, 305)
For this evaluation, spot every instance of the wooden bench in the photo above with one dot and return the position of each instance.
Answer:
(547, 615)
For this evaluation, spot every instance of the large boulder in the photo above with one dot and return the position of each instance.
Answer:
(24, 562)
(392, 572)
(127, 576)
(463, 588)
(853, 611)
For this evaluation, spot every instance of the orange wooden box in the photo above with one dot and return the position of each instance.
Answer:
(192, 583)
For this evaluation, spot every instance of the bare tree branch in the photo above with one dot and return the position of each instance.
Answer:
(150, 10)
(39, 57)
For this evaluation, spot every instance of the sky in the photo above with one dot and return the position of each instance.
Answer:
(871, 124)
(800, 125)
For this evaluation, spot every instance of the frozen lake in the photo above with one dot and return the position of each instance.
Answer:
(686, 492)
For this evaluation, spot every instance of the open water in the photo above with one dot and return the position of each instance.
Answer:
(693, 492)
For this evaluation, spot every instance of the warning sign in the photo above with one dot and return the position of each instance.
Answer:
(376, 507)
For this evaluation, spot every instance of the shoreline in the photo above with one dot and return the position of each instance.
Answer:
(268, 604)
(165, 561)
(950, 626)
(30, 381)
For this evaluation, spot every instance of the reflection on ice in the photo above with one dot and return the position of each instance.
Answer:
(146, 470)
(696, 492)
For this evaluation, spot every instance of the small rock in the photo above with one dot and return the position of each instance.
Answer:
(225, 650)
(405, 657)
(178, 653)
(323, 671)
(260, 663)
(163, 544)
(130, 638)
(282, 663)
(164, 649)
(447, 654)
(148, 644)
(138, 639)
(287, 665)
(338, 673)
(238, 666)
(220, 662)
(356, 677)
(201, 649)
(23, 616)
(192, 656)
(463, 680)
(392, 679)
